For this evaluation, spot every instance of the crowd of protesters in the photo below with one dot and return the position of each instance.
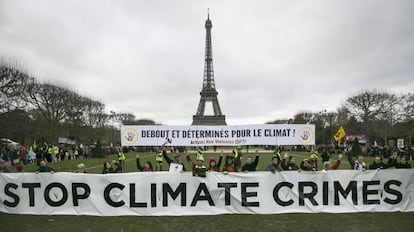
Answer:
(279, 161)
(235, 161)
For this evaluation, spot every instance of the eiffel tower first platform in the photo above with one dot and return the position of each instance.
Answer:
(209, 92)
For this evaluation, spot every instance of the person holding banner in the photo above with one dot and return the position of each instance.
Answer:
(358, 164)
(147, 165)
(176, 159)
(311, 163)
(43, 167)
(403, 163)
(107, 168)
(232, 162)
(159, 155)
(274, 165)
(214, 166)
(81, 168)
(332, 166)
(198, 167)
(250, 166)
(289, 162)
(378, 164)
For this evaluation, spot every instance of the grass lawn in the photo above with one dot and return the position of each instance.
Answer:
(282, 222)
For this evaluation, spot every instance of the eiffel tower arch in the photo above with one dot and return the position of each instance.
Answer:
(208, 93)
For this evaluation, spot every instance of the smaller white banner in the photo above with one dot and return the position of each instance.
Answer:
(400, 143)
(266, 134)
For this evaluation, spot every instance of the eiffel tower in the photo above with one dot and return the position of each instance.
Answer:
(209, 92)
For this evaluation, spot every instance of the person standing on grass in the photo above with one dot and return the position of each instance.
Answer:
(198, 167)
(158, 160)
(81, 168)
(121, 158)
(358, 164)
(274, 166)
(213, 165)
(250, 165)
(403, 163)
(43, 167)
(378, 164)
(3, 166)
(176, 158)
(332, 166)
(107, 168)
(289, 162)
(147, 165)
(310, 164)
(232, 162)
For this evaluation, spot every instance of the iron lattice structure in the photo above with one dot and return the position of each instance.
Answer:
(208, 92)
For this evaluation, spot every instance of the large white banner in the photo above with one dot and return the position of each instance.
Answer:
(163, 193)
(266, 134)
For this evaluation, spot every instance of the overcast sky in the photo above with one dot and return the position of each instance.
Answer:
(271, 58)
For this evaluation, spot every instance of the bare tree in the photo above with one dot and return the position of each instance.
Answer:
(367, 107)
(407, 107)
(94, 114)
(12, 85)
(49, 100)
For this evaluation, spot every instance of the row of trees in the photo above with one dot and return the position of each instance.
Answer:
(379, 115)
(32, 110)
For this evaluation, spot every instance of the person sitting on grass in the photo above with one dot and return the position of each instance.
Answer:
(198, 167)
(274, 166)
(147, 165)
(43, 167)
(81, 168)
(332, 166)
(250, 165)
(213, 165)
(289, 162)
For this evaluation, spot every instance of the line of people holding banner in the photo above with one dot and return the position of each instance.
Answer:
(280, 161)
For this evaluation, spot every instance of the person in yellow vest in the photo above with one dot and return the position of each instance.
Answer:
(121, 158)
(159, 159)
(198, 167)
(54, 151)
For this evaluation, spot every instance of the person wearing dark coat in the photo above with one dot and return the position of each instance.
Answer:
(378, 164)
(274, 166)
(43, 167)
(288, 163)
(176, 159)
(403, 163)
(250, 165)
(147, 165)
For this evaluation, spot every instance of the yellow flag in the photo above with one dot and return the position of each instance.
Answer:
(339, 134)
